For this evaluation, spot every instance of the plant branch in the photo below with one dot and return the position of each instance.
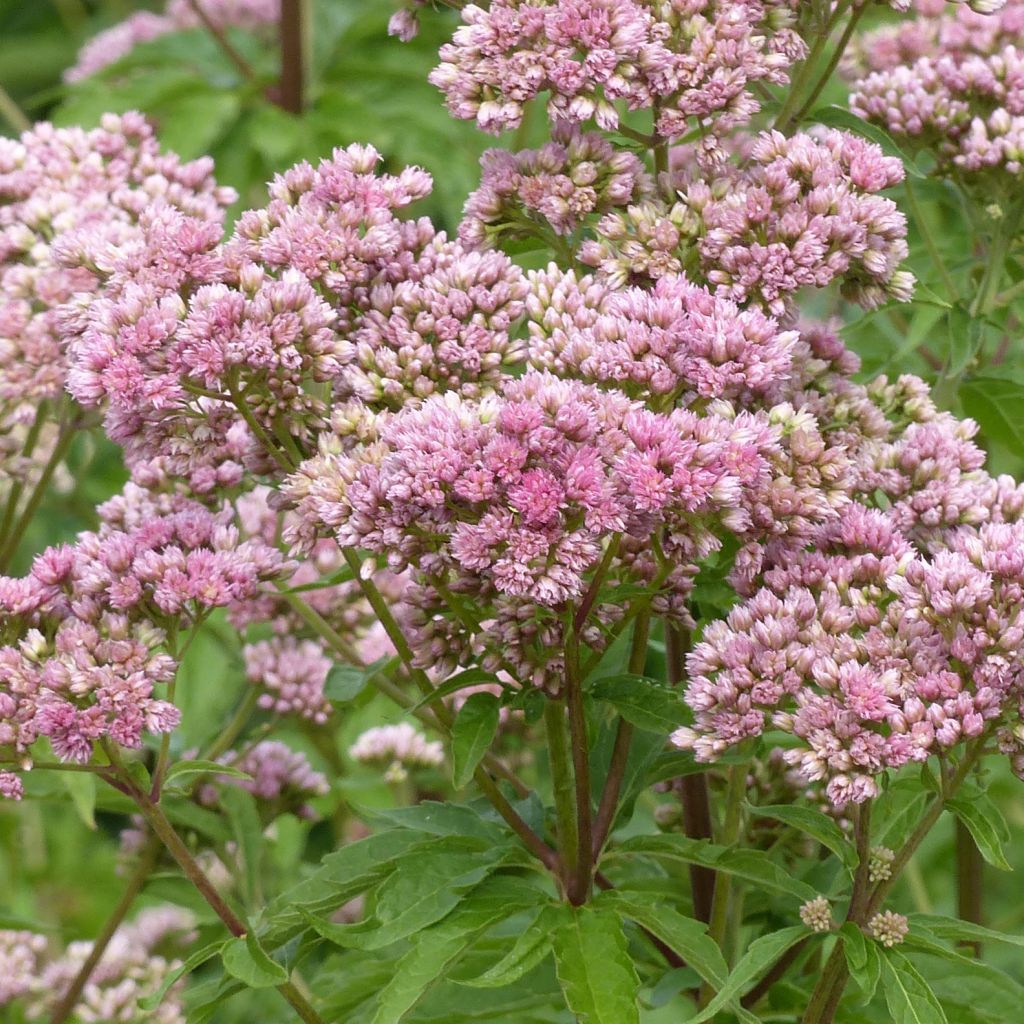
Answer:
(12, 113)
(970, 868)
(580, 882)
(557, 734)
(293, 69)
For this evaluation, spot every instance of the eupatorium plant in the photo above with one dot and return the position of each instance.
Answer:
(555, 585)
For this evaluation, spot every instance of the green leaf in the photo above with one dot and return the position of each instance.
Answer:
(342, 875)
(421, 890)
(759, 958)
(986, 824)
(595, 969)
(997, 403)
(643, 702)
(197, 959)
(955, 930)
(245, 959)
(344, 683)
(907, 994)
(438, 819)
(436, 948)
(529, 949)
(966, 334)
(183, 769)
(459, 681)
(862, 958)
(472, 734)
(81, 787)
(688, 937)
(815, 824)
(751, 865)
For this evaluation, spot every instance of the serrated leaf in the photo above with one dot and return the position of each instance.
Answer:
(420, 891)
(757, 961)
(643, 702)
(473, 732)
(245, 959)
(751, 865)
(435, 949)
(438, 819)
(197, 959)
(997, 403)
(986, 824)
(907, 994)
(530, 948)
(815, 824)
(688, 937)
(595, 969)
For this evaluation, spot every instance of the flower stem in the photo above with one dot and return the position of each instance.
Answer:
(175, 846)
(12, 113)
(693, 788)
(580, 881)
(293, 64)
(557, 733)
(147, 860)
(970, 881)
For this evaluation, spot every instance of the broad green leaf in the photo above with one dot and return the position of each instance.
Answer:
(751, 865)
(529, 949)
(472, 734)
(688, 937)
(183, 769)
(81, 787)
(436, 948)
(862, 958)
(595, 969)
(245, 959)
(907, 994)
(955, 930)
(344, 683)
(420, 891)
(997, 403)
(920, 940)
(343, 874)
(815, 824)
(643, 702)
(757, 961)
(986, 824)
(197, 959)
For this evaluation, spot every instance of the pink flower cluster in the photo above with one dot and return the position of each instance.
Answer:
(117, 42)
(134, 967)
(671, 344)
(279, 776)
(90, 627)
(799, 212)
(401, 747)
(556, 187)
(212, 356)
(59, 187)
(869, 655)
(952, 85)
(690, 62)
(521, 492)
(935, 29)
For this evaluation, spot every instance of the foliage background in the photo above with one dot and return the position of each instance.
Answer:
(58, 859)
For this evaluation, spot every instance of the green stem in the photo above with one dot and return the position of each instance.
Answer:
(239, 402)
(175, 846)
(580, 882)
(730, 833)
(557, 733)
(134, 885)
(223, 743)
